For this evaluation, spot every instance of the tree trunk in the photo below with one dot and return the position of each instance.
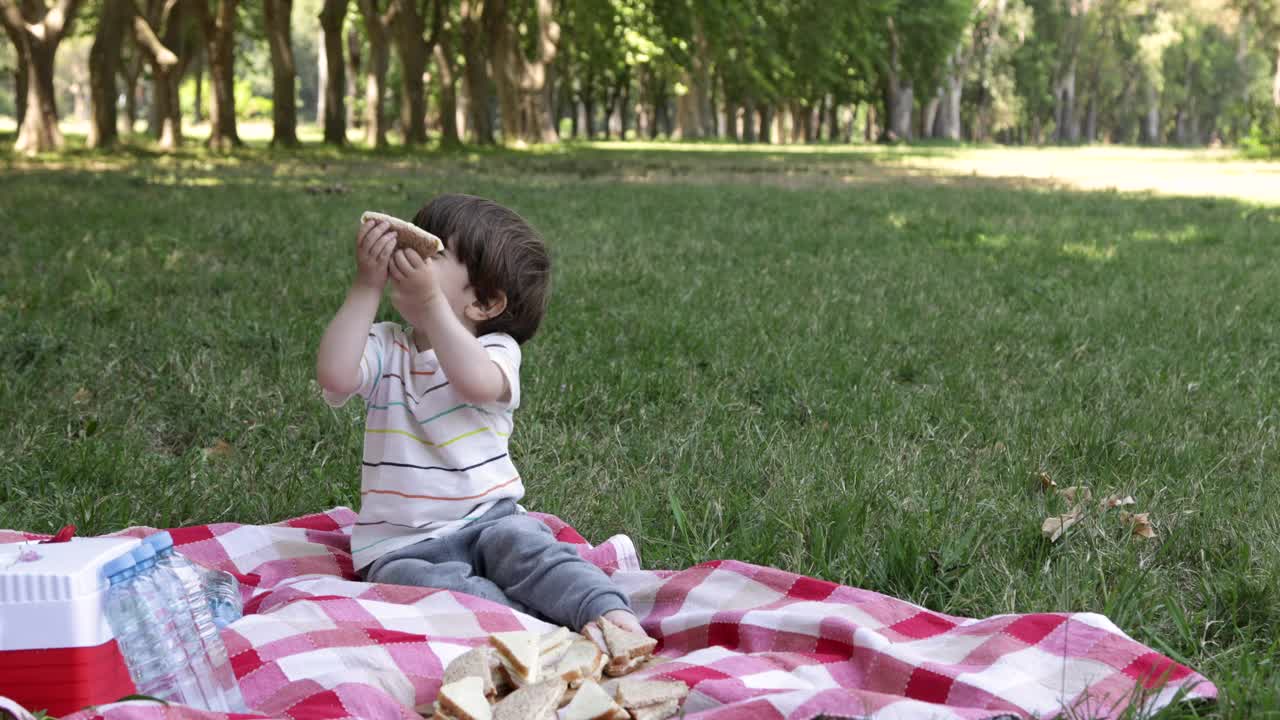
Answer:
(522, 81)
(503, 54)
(322, 76)
(833, 121)
(898, 94)
(949, 114)
(899, 102)
(1275, 80)
(475, 78)
(166, 111)
(765, 134)
(130, 73)
(375, 74)
(930, 114)
(448, 92)
(408, 32)
(284, 73)
(20, 73)
(1151, 116)
(1064, 94)
(161, 52)
(700, 83)
(104, 59)
(39, 132)
(219, 28)
(352, 65)
(36, 30)
(1091, 121)
(625, 112)
(197, 110)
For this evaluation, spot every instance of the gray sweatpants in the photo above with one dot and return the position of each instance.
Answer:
(509, 558)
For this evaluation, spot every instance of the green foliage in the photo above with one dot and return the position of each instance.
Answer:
(1263, 140)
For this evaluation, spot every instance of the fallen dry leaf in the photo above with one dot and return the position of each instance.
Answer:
(1046, 482)
(220, 449)
(1054, 527)
(1141, 524)
(82, 396)
(1076, 494)
(1115, 501)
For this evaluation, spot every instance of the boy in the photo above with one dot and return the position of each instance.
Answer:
(438, 489)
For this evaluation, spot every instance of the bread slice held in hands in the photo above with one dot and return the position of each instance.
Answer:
(463, 700)
(408, 235)
(627, 649)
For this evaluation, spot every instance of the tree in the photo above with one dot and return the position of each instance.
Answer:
(276, 16)
(446, 70)
(475, 78)
(168, 51)
(333, 77)
(376, 20)
(407, 21)
(919, 39)
(19, 76)
(521, 79)
(219, 27)
(117, 17)
(36, 30)
(104, 59)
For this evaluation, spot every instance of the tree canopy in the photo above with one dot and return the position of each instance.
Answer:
(1020, 71)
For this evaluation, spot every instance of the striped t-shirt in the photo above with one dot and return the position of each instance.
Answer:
(432, 461)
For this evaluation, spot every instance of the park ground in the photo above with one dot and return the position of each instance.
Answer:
(861, 364)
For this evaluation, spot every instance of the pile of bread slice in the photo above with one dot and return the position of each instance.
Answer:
(530, 676)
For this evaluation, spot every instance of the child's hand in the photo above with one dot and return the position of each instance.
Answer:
(374, 244)
(414, 277)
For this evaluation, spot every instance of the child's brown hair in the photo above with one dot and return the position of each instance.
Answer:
(501, 253)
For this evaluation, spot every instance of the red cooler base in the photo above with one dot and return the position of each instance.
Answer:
(60, 681)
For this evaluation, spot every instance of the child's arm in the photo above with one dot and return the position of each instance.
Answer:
(338, 359)
(473, 374)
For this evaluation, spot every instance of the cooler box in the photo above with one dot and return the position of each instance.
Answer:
(57, 652)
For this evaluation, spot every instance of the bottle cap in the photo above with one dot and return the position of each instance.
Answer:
(118, 565)
(143, 554)
(160, 541)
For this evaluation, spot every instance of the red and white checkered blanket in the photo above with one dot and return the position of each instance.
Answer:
(752, 643)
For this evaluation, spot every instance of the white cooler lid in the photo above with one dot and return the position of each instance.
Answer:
(61, 571)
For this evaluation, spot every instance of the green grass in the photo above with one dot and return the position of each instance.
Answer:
(812, 360)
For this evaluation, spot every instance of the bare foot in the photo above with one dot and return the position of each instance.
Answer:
(622, 618)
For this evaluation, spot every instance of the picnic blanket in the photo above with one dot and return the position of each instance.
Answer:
(752, 643)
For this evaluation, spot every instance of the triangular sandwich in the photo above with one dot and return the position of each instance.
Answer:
(591, 702)
(533, 702)
(464, 700)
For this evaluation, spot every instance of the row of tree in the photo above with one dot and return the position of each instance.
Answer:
(1152, 71)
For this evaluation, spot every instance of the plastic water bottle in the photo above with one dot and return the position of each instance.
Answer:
(191, 578)
(175, 597)
(167, 611)
(223, 591)
(152, 655)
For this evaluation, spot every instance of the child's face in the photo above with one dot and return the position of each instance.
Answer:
(454, 282)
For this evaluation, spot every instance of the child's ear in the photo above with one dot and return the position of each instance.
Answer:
(477, 312)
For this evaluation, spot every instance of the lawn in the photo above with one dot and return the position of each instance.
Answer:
(857, 364)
